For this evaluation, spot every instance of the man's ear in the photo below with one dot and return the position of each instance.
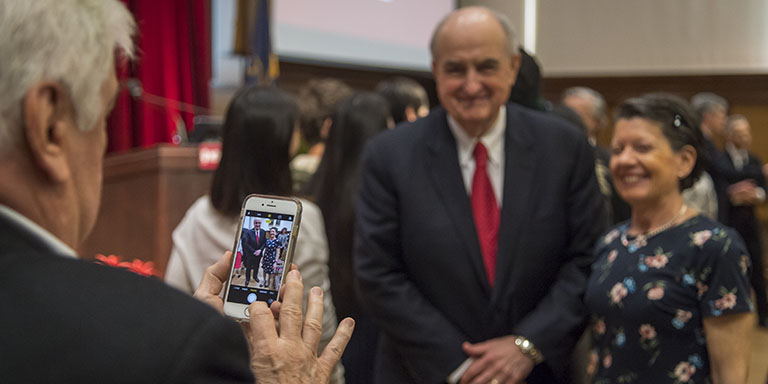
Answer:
(47, 117)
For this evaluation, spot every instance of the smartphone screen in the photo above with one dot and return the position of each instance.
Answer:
(262, 252)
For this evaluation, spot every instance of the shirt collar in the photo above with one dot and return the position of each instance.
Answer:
(733, 150)
(493, 139)
(46, 237)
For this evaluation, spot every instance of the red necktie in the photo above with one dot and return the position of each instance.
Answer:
(486, 211)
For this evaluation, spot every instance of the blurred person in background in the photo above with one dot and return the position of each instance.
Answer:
(711, 113)
(259, 135)
(591, 108)
(356, 120)
(669, 292)
(746, 190)
(407, 99)
(317, 100)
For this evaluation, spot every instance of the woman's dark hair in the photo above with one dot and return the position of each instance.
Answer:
(677, 122)
(334, 187)
(255, 155)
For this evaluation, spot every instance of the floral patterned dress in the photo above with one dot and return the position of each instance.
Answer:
(648, 301)
(270, 252)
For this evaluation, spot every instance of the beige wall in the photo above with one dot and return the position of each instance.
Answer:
(649, 37)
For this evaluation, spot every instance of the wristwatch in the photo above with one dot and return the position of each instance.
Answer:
(529, 350)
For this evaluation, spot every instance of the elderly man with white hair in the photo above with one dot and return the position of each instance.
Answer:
(71, 321)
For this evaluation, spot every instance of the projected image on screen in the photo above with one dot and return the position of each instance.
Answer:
(260, 257)
(383, 33)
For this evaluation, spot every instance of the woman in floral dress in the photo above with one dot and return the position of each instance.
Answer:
(268, 259)
(669, 292)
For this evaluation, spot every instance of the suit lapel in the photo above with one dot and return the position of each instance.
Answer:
(445, 173)
(519, 174)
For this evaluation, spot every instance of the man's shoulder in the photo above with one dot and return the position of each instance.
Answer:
(109, 286)
(80, 311)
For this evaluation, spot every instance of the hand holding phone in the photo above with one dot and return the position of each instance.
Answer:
(261, 220)
(296, 342)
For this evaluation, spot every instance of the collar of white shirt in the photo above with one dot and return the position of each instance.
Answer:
(492, 139)
(742, 154)
(46, 237)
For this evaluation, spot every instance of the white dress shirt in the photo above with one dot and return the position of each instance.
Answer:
(493, 140)
(739, 157)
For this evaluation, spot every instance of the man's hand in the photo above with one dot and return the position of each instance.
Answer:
(496, 359)
(289, 356)
(213, 281)
(743, 193)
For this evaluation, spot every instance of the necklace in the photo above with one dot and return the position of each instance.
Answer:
(642, 239)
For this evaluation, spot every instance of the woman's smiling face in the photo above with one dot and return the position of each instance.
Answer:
(643, 164)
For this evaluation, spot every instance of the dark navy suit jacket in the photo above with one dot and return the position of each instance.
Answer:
(73, 321)
(250, 245)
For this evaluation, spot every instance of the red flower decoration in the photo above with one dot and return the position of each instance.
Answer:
(111, 260)
(140, 267)
(144, 268)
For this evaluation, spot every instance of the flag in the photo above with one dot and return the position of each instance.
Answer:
(253, 41)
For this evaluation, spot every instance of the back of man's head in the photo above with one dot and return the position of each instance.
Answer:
(705, 102)
(70, 42)
(317, 101)
(596, 99)
(403, 94)
(590, 105)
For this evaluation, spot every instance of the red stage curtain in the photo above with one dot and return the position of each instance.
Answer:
(173, 46)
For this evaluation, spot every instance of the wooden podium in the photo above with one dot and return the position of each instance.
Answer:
(146, 193)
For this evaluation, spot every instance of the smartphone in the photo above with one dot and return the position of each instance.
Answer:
(263, 252)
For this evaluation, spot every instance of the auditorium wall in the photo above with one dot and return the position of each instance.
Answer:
(621, 49)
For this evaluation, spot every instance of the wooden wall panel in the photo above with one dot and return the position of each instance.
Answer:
(146, 193)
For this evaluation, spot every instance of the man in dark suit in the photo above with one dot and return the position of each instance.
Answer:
(591, 106)
(746, 190)
(253, 242)
(473, 258)
(712, 112)
(66, 320)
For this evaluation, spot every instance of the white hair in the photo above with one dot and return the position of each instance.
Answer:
(598, 101)
(71, 42)
(705, 102)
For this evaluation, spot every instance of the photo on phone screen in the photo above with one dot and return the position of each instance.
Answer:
(260, 256)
